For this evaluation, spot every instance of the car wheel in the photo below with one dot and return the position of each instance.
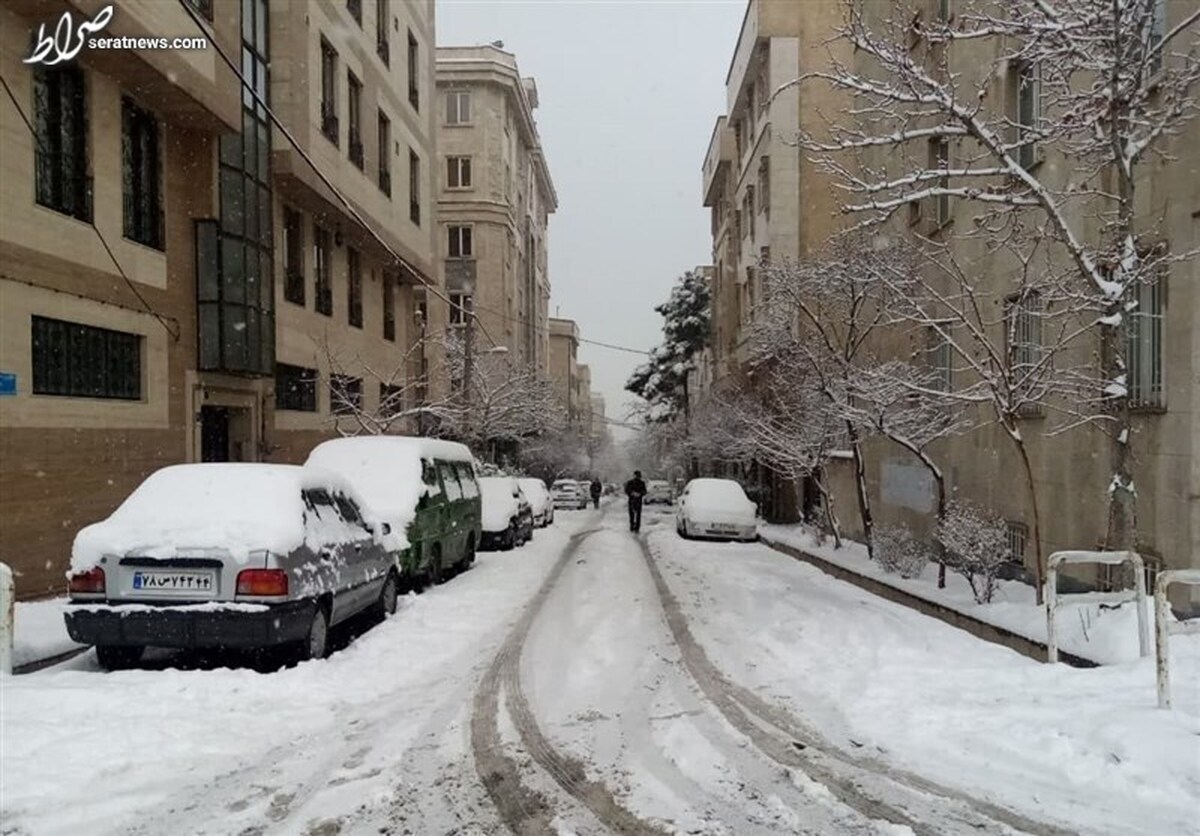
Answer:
(116, 657)
(435, 572)
(510, 537)
(389, 596)
(316, 644)
(683, 532)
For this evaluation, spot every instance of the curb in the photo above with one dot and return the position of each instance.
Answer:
(980, 629)
(36, 665)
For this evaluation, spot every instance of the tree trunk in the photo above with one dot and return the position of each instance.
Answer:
(940, 480)
(1039, 554)
(830, 517)
(860, 485)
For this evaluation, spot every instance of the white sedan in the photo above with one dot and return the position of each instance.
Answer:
(717, 508)
(539, 500)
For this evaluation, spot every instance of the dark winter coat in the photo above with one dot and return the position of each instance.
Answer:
(635, 488)
(597, 488)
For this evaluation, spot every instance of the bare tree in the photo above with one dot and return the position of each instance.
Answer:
(401, 390)
(1096, 86)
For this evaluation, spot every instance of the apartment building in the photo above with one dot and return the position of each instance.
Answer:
(495, 197)
(767, 201)
(109, 163)
(353, 84)
(564, 364)
(583, 399)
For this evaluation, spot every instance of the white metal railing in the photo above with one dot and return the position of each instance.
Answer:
(8, 594)
(1163, 629)
(1105, 558)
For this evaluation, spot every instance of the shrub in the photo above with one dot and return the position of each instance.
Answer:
(976, 544)
(898, 551)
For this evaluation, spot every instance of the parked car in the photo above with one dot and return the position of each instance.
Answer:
(716, 508)
(507, 515)
(424, 488)
(658, 492)
(539, 500)
(232, 556)
(568, 494)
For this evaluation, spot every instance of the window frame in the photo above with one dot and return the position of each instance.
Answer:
(1147, 373)
(1028, 79)
(85, 358)
(414, 186)
(303, 385)
(322, 270)
(456, 165)
(458, 102)
(62, 182)
(295, 285)
(354, 288)
(328, 101)
(465, 236)
(143, 206)
(345, 394)
(1024, 339)
(354, 141)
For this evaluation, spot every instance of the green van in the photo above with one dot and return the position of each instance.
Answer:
(424, 488)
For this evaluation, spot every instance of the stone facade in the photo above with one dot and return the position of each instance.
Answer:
(564, 364)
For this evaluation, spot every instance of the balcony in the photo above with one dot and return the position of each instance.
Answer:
(329, 121)
(716, 161)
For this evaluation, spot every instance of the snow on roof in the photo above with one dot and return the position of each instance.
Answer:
(240, 508)
(716, 494)
(499, 504)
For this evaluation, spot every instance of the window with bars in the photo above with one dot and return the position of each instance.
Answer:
(354, 288)
(329, 115)
(1017, 534)
(391, 400)
(293, 257)
(460, 244)
(141, 178)
(345, 394)
(389, 307)
(941, 358)
(354, 143)
(384, 144)
(323, 270)
(1024, 338)
(1029, 113)
(458, 107)
(83, 361)
(764, 186)
(458, 172)
(414, 72)
(414, 187)
(295, 388)
(1144, 345)
(61, 180)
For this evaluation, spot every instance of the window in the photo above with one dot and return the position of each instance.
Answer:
(323, 267)
(389, 307)
(61, 158)
(943, 10)
(1157, 31)
(1029, 113)
(429, 476)
(460, 244)
(458, 172)
(348, 510)
(1023, 329)
(355, 9)
(450, 481)
(748, 206)
(764, 186)
(391, 400)
(345, 394)
(1018, 536)
(458, 107)
(293, 256)
(460, 304)
(384, 142)
(939, 160)
(383, 47)
(329, 117)
(414, 187)
(354, 112)
(295, 388)
(354, 292)
(414, 95)
(83, 361)
(466, 478)
(1144, 345)
(141, 171)
(941, 358)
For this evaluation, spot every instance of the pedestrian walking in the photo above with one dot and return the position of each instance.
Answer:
(597, 489)
(635, 489)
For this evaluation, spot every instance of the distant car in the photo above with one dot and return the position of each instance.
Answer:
(717, 508)
(568, 494)
(658, 492)
(507, 515)
(539, 500)
(229, 555)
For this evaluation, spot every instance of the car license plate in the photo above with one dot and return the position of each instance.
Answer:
(162, 582)
(724, 528)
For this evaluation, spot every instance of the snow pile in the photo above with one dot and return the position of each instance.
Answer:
(500, 502)
(238, 508)
(39, 631)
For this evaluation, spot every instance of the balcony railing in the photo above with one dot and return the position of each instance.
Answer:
(385, 181)
(355, 148)
(329, 121)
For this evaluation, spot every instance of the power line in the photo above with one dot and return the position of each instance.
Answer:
(174, 334)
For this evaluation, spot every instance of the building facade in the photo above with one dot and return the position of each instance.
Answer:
(495, 197)
(564, 364)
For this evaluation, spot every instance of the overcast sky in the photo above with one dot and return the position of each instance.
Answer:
(628, 95)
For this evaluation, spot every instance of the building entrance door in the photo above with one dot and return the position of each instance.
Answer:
(214, 434)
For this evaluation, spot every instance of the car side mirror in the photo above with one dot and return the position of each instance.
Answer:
(384, 529)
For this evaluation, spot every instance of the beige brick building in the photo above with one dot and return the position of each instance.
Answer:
(564, 363)
(157, 238)
(495, 197)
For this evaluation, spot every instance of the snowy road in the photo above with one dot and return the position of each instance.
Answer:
(592, 682)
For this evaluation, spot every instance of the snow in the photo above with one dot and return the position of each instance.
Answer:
(535, 491)
(718, 500)
(1104, 634)
(240, 508)
(39, 631)
(499, 503)
(1084, 748)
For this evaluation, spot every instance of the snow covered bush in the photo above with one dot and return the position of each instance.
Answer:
(976, 543)
(899, 552)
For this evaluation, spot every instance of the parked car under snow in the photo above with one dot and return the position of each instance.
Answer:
(507, 515)
(716, 508)
(229, 555)
(568, 493)
(539, 501)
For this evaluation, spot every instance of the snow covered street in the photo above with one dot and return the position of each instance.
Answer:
(590, 683)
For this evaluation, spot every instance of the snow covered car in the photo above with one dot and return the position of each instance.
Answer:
(424, 488)
(717, 508)
(232, 556)
(658, 492)
(507, 515)
(568, 494)
(539, 500)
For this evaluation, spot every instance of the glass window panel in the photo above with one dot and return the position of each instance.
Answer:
(231, 201)
(249, 143)
(231, 149)
(233, 324)
(266, 229)
(260, 29)
(251, 210)
(267, 342)
(267, 278)
(248, 75)
(233, 270)
(207, 276)
(264, 152)
(253, 336)
(210, 336)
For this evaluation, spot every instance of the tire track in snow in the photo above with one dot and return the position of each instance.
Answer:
(524, 811)
(790, 743)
